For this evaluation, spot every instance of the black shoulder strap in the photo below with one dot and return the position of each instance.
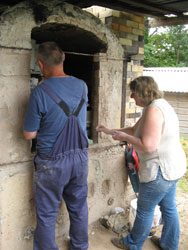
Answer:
(61, 103)
(76, 113)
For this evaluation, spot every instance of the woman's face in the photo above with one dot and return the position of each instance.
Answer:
(136, 98)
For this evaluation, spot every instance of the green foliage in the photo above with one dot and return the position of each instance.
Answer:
(166, 49)
(183, 183)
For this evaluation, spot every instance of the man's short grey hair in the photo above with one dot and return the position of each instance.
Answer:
(50, 53)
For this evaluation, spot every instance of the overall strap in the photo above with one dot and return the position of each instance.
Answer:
(56, 99)
(61, 103)
(76, 113)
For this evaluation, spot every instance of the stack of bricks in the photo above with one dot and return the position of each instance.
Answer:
(129, 29)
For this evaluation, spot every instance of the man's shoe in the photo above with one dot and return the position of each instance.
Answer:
(119, 243)
(156, 241)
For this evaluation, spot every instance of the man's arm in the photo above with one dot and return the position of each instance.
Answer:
(30, 135)
(32, 117)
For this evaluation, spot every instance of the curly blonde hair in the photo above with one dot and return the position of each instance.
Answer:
(146, 89)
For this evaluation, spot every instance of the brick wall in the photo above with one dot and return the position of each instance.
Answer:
(129, 29)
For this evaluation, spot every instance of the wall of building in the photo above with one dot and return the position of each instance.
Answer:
(107, 178)
(179, 102)
(129, 29)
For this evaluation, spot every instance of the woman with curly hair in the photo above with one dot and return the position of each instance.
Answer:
(162, 163)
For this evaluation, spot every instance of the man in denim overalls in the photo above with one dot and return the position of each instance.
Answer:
(56, 116)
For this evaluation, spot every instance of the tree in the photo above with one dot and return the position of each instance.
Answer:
(166, 49)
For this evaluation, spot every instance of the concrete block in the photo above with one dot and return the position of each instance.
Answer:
(135, 43)
(107, 189)
(136, 74)
(116, 13)
(125, 15)
(138, 57)
(131, 49)
(16, 27)
(141, 50)
(115, 26)
(128, 81)
(15, 62)
(138, 19)
(104, 13)
(116, 20)
(123, 21)
(128, 67)
(130, 74)
(14, 96)
(136, 62)
(125, 29)
(124, 41)
(138, 32)
(132, 37)
(136, 68)
(107, 181)
(110, 108)
(17, 207)
(132, 24)
(141, 26)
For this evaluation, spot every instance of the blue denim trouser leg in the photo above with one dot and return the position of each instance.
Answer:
(53, 180)
(158, 192)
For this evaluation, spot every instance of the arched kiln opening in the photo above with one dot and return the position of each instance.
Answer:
(80, 47)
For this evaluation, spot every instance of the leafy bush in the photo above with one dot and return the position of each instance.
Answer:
(184, 143)
(183, 183)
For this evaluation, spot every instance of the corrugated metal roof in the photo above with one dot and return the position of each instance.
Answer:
(169, 79)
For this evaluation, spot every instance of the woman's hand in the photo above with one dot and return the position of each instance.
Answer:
(119, 136)
(102, 128)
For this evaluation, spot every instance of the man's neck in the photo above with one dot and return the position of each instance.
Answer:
(55, 72)
(56, 75)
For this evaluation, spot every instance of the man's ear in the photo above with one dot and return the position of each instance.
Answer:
(40, 63)
(63, 56)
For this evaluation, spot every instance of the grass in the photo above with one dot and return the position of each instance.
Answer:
(183, 183)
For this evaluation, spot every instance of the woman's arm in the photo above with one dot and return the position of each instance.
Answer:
(128, 130)
(151, 130)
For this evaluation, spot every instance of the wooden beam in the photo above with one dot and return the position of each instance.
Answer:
(120, 6)
(130, 5)
(133, 6)
(149, 7)
(168, 21)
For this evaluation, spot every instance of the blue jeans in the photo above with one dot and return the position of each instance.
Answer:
(158, 192)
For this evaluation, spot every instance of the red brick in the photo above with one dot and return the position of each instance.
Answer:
(125, 29)
(115, 26)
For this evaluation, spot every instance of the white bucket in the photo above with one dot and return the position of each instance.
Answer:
(156, 218)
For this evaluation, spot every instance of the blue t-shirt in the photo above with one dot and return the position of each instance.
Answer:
(46, 117)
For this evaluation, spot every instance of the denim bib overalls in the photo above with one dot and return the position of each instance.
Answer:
(62, 174)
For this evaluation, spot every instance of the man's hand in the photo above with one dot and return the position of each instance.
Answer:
(30, 135)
